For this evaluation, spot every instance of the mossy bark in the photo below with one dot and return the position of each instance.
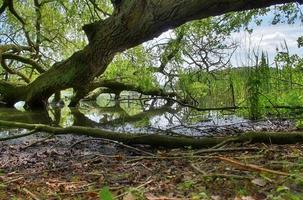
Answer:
(134, 23)
(165, 140)
(11, 93)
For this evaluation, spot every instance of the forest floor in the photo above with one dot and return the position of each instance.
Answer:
(78, 167)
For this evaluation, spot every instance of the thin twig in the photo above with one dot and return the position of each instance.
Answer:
(226, 150)
(251, 167)
(232, 176)
(115, 142)
(223, 143)
(14, 180)
(38, 141)
(140, 186)
(19, 136)
(32, 195)
(87, 191)
(198, 169)
(138, 158)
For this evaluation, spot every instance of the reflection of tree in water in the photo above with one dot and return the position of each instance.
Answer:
(90, 114)
(105, 114)
(152, 116)
(57, 115)
(115, 115)
(34, 116)
(104, 119)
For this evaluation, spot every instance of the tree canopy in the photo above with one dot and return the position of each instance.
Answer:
(48, 46)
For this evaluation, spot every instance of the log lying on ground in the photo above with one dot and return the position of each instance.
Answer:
(161, 139)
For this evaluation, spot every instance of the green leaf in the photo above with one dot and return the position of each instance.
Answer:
(282, 189)
(105, 194)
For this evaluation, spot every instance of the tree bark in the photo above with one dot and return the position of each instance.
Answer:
(116, 88)
(134, 23)
(164, 140)
(11, 93)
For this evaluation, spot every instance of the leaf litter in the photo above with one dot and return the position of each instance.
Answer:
(58, 169)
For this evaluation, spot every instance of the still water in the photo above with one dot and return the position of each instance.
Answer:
(145, 116)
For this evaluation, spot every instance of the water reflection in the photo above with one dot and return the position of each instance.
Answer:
(137, 116)
(37, 116)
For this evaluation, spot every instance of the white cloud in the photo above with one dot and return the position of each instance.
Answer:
(266, 38)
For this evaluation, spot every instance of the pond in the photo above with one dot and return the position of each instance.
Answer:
(150, 116)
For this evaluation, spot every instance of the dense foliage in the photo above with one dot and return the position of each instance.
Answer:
(192, 61)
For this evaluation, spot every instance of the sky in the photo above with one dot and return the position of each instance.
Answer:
(266, 38)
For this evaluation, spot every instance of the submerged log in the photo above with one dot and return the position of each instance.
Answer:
(161, 139)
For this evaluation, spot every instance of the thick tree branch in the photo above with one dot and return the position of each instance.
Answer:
(13, 11)
(12, 71)
(136, 22)
(24, 60)
(96, 7)
(169, 54)
(147, 19)
(11, 93)
(116, 4)
(4, 6)
(170, 51)
(15, 48)
(115, 86)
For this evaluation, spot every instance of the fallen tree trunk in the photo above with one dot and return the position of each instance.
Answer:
(161, 139)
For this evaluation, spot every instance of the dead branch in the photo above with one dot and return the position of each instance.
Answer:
(162, 139)
(251, 167)
(19, 136)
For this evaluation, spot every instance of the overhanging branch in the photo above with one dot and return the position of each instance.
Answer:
(24, 60)
(12, 71)
(4, 6)
(115, 86)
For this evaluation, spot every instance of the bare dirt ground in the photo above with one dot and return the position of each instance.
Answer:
(76, 167)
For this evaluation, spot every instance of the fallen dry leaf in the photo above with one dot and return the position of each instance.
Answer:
(245, 198)
(152, 197)
(259, 182)
(129, 196)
